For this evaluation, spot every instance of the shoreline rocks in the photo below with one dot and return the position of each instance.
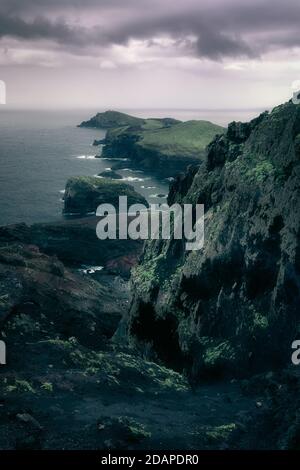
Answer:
(110, 174)
(99, 142)
(75, 243)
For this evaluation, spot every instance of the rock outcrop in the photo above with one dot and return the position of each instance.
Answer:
(75, 243)
(84, 194)
(38, 287)
(231, 308)
(111, 174)
(98, 142)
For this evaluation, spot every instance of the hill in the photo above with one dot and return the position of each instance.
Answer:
(162, 145)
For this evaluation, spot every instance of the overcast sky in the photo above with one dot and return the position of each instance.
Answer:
(149, 53)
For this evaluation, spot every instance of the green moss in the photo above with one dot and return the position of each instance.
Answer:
(163, 378)
(169, 281)
(260, 322)
(47, 386)
(261, 171)
(220, 433)
(132, 429)
(254, 325)
(145, 276)
(215, 356)
(20, 386)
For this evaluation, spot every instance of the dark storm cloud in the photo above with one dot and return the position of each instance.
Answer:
(14, 6)
(215, 45)
(221, 28)
(39, 28)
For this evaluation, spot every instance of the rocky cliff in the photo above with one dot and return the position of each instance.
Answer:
(162, 145)
(232, 307)
(84, 194)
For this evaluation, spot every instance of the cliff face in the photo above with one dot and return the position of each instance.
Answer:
(232, 307)
(162, 145)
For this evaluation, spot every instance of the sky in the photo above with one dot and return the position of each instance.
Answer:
(175, 54)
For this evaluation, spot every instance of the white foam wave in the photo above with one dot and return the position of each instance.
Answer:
(133, 178)
(85, 157)
(90, 269)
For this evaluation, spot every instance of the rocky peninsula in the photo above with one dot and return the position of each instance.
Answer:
(165, 146)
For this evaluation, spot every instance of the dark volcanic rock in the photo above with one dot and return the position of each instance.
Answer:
(110, 174)
(37, 287)
(85, 193)
(98, 142)
(232, 307)
(75, 243)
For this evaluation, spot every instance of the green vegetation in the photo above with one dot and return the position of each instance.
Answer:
(147, 275)
(186, 139)
(47, 386)
(220, 433)
(165, 379)
(19, 386)
(110, 119)
(167, 142)
(253, 324)
(261, 171)
(136, 430)
(260, 322)
(216, 355)
(179, 140)
(79, 183)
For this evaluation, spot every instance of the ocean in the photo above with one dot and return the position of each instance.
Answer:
(40, 150)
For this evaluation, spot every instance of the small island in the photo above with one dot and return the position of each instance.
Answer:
(84, 194)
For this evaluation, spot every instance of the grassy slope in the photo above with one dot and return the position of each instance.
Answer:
(185, 139)
(111, 119)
